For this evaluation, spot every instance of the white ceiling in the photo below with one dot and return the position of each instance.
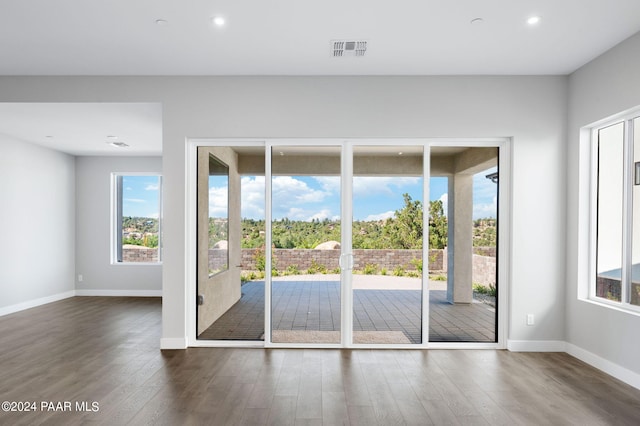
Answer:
(278, 37)
(85, 128)
(292, 37)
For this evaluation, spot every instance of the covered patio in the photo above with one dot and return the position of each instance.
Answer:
(380, 304)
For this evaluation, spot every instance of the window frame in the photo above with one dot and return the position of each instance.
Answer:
(116, 219)
(627, 118)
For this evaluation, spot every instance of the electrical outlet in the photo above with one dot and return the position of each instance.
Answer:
(530, 319)
(80, 278)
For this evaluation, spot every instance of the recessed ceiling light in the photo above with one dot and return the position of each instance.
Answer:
(533, 20)
(477, 21)
(49, 136)
(162, 22)
(112, 137)
(118, 144)
(218, 21)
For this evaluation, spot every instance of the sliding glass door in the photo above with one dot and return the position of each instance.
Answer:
(349, 243)
(463, 231)
(387, 244)
(305, 246)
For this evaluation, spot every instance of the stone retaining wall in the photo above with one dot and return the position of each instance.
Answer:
(138, 254)
(484, 267)
(484, 270)
(610, 288)
(305, 259)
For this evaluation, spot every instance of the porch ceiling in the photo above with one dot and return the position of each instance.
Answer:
(368, 160)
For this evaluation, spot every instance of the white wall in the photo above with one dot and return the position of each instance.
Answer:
(608, 85)
(37, 229)
(93, 212)
(532, 110)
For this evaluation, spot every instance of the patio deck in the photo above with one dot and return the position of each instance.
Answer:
(312, 303)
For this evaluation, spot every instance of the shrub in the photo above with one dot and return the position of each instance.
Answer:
(383, 271)
(248, 276)
(150, 240)
(438, 278)
(399, 271)
(316, 268)
(132, 241)
(260, 259)
(292, 270)
(417, 263)
(486, 290)
(370, 269)
(493, 291)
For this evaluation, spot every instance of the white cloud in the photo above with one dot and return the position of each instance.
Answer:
(296, 213)
(367, 186)
(287, 190)
(445, 202)
(294, 198)
(135, 200)
(484, 210)
(380, 216)
(252, 193)
(330, 184)
(218, 201)
(485, 199)
(152, 187)
(321, 215)
(484, 188)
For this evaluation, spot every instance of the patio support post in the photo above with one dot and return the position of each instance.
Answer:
(460, 238)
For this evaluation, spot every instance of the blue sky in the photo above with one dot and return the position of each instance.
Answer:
(318, 197)
(140, 196)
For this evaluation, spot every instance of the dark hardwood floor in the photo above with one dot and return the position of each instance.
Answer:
(105, 350)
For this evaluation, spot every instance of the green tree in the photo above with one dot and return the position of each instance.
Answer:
(437, 225)
(405, 230)
(150, 240)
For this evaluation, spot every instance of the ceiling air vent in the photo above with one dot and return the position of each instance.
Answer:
(342, 48)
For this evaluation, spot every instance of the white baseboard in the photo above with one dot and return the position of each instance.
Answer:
(36, 302)
(119, 293)
(536, 345)
(173, 343)
(60, 296)
(621, 373)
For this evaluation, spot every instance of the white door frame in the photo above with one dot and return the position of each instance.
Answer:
(504, 236)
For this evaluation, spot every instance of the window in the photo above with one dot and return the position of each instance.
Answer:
(136, 219)
(616, 148)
